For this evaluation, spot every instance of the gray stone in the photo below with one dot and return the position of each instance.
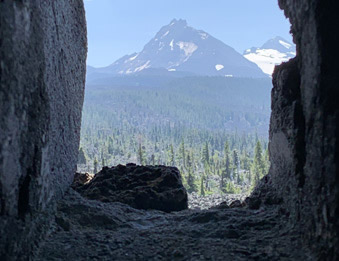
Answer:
(304, 127)
(93, 230)
(43, 50)
(142, 187)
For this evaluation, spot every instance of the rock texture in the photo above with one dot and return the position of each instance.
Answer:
(91, 230)
(42, 67)
(42, 71)
(142, 187)
(81, 179)
(304, 131)
(198, 202)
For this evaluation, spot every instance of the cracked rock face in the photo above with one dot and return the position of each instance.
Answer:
(304, 126)
(141, 187)
(43, 50)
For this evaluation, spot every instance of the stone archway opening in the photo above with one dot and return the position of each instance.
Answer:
(158, 107)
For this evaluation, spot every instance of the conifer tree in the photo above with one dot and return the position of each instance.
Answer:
(81, 157)
(188, 161)
(192, 162)
(258, 165)
(140, 155)
(110, 148)
(236, 173)
(245, 161)
(95, 166)
(191, 186)
(171, 155)
(202, 188)
(182, 153)
(226, 173)
(205, 154)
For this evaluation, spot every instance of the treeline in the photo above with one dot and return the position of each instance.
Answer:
(209, 161)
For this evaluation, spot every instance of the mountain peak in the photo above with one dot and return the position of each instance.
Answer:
(280, 44)
(179, 22)
(180, 48)
(271, 53)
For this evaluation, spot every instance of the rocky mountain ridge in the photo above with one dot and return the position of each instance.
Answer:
(177, 47)
(272, 53)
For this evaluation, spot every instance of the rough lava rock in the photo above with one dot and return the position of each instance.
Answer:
(142, 187)
(43, 47)
(92, 230)
(196, 201)
(304, 133)
(81, 179)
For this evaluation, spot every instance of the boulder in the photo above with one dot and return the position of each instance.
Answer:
(142, 187)
(81, 179)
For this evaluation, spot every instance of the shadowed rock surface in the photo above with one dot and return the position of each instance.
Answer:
(43, 50)
(141, 187)
(91, 230)
(81, 179)
(304, 131)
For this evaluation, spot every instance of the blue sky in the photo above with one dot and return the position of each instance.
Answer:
(119, 27)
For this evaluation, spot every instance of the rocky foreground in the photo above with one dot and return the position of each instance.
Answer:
(197, 202)
(91, 230)
(104, 229)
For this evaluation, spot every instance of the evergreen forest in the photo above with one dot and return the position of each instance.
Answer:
(213, 129)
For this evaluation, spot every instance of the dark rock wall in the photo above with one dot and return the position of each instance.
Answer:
(304, 125)
(43, 50)
(42, 72)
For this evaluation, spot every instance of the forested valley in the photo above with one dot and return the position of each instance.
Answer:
(213, 129)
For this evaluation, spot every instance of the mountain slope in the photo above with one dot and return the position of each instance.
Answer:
(179, 47)
(273, 52)
(206, 103)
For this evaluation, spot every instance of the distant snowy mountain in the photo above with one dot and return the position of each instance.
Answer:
(178, 47)
(272, 53)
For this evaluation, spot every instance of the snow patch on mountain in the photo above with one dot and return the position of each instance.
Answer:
(188, 47)
(266, 59)
(219, 67)
(165, 34)
(287, 45)
(134, 57)
(171, 44)
(272, 53)
(204, 36)
(142, 67)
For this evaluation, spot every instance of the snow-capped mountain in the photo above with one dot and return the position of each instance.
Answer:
(178, 47)
(272, 53)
